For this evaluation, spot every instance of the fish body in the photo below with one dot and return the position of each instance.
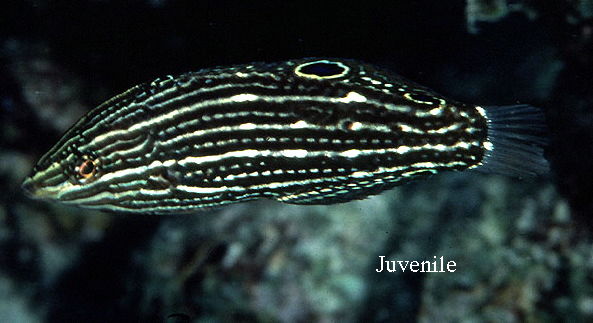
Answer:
(309, 131)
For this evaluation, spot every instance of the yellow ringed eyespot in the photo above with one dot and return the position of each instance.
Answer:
(322, 69)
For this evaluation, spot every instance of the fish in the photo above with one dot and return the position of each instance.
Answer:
(303, 131)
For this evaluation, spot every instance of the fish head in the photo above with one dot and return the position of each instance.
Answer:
(96, 167)
(62, 171)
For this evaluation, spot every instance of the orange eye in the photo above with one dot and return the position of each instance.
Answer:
(87, 169)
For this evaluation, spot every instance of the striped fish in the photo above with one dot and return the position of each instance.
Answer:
(309, 131)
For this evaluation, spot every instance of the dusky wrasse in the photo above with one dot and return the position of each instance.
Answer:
(308, 131)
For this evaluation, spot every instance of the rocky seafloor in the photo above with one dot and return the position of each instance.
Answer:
(522, 248)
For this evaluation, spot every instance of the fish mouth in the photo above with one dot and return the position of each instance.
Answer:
(33, 190)
(29, 187)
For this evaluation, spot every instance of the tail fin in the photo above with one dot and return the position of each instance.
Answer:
(517, 136)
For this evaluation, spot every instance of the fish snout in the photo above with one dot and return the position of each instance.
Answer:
(29, 186)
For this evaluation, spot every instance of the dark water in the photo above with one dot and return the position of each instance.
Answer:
(521, 247)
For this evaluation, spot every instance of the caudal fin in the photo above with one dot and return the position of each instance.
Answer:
(517, 136)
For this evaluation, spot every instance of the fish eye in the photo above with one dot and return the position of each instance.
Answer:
(87, 169)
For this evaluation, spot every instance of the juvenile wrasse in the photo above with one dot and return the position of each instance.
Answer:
(309, 131)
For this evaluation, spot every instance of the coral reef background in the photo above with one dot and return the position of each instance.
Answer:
(523, 247)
